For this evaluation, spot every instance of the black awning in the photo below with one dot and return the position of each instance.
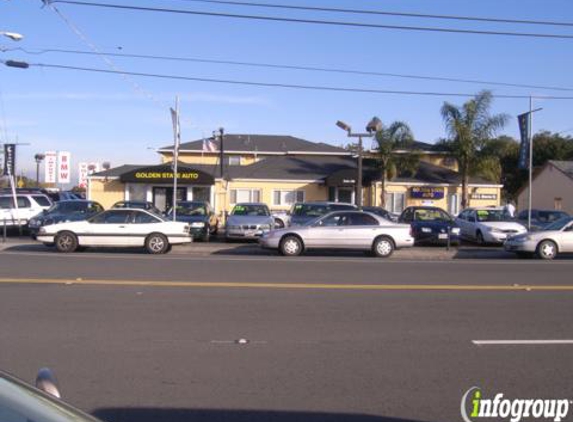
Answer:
(347, 177)
(164, 174)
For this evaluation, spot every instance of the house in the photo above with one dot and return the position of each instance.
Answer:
(552, 188)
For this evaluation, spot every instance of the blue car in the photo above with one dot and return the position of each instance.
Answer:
(303, 212)
(431, 225)
(64, 211)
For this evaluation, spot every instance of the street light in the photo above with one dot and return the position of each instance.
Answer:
(39, 158)
(371, 128)
(12, 35)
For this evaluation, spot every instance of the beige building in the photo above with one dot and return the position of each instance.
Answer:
(281, 170)
(552, 188)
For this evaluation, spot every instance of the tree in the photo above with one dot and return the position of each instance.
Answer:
(469, 127)
(390, 139)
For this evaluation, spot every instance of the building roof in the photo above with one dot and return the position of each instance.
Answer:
(281, 144)
(564, 166)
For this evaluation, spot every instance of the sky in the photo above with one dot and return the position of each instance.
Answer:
(122, 119)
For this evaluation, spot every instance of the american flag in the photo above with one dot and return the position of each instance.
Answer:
(209, 145)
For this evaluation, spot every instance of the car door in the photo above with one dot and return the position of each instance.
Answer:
(328, 232)
(567, 239)
(360, 231)
(140, 225)
(109, 228)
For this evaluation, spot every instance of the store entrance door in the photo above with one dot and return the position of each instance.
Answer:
(163, 197)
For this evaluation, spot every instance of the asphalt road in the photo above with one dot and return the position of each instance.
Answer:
(134, 337)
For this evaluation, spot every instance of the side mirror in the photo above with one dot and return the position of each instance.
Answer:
(46, 381)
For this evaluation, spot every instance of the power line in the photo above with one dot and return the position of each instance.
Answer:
(286, 85)
(383, 13)
(313, 21)
(288, 67)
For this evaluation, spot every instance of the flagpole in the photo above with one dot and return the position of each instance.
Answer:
(530, 164)
(176, 136)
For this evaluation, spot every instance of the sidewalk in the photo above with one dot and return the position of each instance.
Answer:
(427, 253)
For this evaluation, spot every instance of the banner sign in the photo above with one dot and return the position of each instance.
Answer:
(426, 192)
(83, 175)
(483, 196)
(64, 167)
(164, 174)
(50, 164)
(523, 161)
(9, 159)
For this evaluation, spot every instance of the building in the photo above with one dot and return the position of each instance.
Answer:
(552, 188)
(281, 170)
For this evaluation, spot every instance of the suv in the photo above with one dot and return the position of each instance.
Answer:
(29, 205)
(303, 212)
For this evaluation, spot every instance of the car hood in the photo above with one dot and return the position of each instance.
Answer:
(249, 219)
(503, 225)
(435, 224)
(190, 218)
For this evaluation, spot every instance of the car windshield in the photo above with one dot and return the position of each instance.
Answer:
(190, 209)
(309, 210)
(550, 216)
(559, 224)
(431, 215)
(251, 210)
(492, 215)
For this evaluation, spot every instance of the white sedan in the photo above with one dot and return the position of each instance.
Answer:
(547, 243)
(117, 227)
(488, 225)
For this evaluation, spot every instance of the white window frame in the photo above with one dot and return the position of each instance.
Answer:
(391, 205)
(250, 190)
(295, 199)
(240, 161)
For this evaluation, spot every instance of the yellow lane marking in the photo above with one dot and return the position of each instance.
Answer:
(286, 285)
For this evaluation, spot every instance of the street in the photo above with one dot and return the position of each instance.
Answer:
(133, 337)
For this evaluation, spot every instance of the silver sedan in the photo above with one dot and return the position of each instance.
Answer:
(547, 243)
(341, 230)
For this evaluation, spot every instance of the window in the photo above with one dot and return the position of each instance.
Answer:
(395, 202)
(144, 218)
(42, 200)
(111, 217)
(201, 194)
(137, 192)
(245, 195)
(362, 220)
(287, 197)
(23, 202)
(454, 204)
(235, 160)
(333, 220)
(6, 202)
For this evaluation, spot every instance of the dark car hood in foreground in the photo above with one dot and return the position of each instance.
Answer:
(434, 224)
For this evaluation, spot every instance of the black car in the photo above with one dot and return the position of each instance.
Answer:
(200, 217)
(382, 212)
(540, 218)
(431, 225)
(64, 211)
(140, 205)
(303, 212)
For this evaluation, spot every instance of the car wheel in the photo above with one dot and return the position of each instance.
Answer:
(547, 250)
(206, 235)
(479, 238)
(279, 224)
(66, 242)
(156, 244)
(383, 247)
(291, 246)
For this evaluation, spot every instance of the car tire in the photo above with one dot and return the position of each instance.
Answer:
(479, 238)
(156, 243)
(547, 249)
(383, 247)
(66, 242)
(206, 235)
(291, 246)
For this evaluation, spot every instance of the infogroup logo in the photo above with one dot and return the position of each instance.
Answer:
(513, 410)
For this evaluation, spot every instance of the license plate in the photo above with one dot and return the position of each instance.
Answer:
(250, 233)
(443, 236)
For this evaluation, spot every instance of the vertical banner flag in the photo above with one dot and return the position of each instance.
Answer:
(64, 167)
(523, 120)
(9, 159)
(50, 165)
(93, 168)
(83, 175)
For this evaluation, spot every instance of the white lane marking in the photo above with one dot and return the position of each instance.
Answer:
(519, 342)
(270, 258)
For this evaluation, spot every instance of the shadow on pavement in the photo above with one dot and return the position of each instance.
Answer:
(215, 415)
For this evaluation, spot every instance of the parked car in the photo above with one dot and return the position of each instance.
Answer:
(382, 212)
(341, 230)
(28, 205)
(199, 215)
(540, 218)
(141, 205)
(62, 212)
(431, 225)
(19, 402)
(57, 196)
(117, 227)
(282, 218)
(303, 212)
(488, 225)
(546, 243)
(248, 221)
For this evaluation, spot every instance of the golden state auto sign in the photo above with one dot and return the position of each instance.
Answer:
(164, 174)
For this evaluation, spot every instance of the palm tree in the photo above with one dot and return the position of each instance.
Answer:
(390, 139)
(469, 127)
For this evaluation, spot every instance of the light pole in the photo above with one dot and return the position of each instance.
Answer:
(39, 158)
(371, 128)
(14, 36)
